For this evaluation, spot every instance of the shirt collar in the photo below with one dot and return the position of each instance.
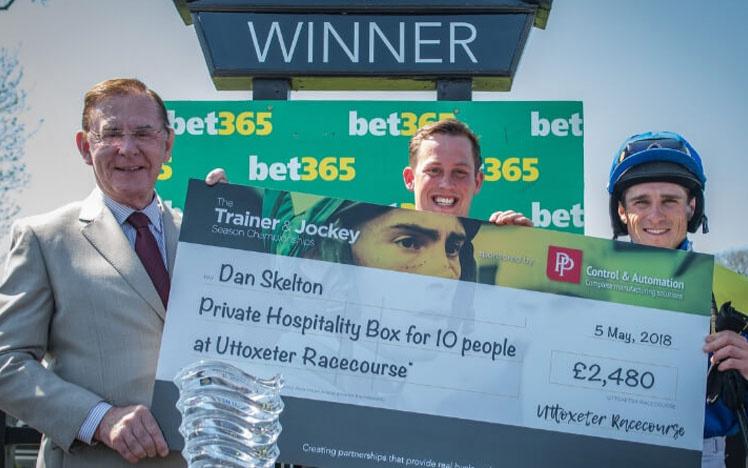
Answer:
(686, 245)
(122, 212)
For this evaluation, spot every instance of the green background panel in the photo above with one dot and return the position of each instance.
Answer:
(322, 128)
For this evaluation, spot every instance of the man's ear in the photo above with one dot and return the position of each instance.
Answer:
(622, 213)
(691, 207)
(478, 181)
(169, 145)
(84, 147)
(409, 178)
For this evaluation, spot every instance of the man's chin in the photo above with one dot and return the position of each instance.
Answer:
(655, 241)
(134, 197)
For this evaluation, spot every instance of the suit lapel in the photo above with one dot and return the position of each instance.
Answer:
(105, 235)
(171, 234)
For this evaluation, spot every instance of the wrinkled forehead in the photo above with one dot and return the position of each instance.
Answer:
(126, 111)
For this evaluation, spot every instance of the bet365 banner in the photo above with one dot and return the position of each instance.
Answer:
(532, 151)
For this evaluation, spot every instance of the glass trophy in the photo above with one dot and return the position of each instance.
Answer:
(229, 418)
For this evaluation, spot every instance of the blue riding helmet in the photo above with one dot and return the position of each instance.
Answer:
(657, 157)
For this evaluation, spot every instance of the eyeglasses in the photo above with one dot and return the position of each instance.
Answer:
(638, 146)
(115, 137)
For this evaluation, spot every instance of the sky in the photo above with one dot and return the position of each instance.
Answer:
(636, 65)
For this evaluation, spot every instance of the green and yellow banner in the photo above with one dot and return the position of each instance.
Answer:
(532, 151)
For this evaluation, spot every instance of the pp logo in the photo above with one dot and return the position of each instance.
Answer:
(564, 264)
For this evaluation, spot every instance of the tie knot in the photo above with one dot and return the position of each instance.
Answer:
(138, 220)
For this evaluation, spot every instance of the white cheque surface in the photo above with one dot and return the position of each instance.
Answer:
(407, 342)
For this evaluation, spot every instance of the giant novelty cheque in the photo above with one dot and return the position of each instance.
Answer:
(416, 339)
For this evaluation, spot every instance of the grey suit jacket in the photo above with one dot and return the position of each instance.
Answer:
(76, 293)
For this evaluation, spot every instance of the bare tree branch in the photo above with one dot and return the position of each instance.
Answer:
(736, 260)
(13, 172)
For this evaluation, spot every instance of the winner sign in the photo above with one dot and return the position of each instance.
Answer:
(408, 338)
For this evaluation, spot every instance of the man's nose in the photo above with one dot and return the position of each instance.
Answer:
(446, 181)
(128, 144)
(657, 212)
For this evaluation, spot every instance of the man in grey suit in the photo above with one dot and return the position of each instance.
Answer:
(83, 300)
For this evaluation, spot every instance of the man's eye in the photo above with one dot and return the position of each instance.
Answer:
(107, 134)
(460, 174)
(408, 242)
(453, 248)
(432, 171)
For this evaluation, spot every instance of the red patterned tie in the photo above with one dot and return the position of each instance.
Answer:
(147, 249)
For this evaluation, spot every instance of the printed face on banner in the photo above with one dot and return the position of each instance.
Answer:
(445, 178)
(411, 242)
(126, 145)
(657, 213)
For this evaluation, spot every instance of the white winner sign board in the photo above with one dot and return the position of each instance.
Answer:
(396, 352)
